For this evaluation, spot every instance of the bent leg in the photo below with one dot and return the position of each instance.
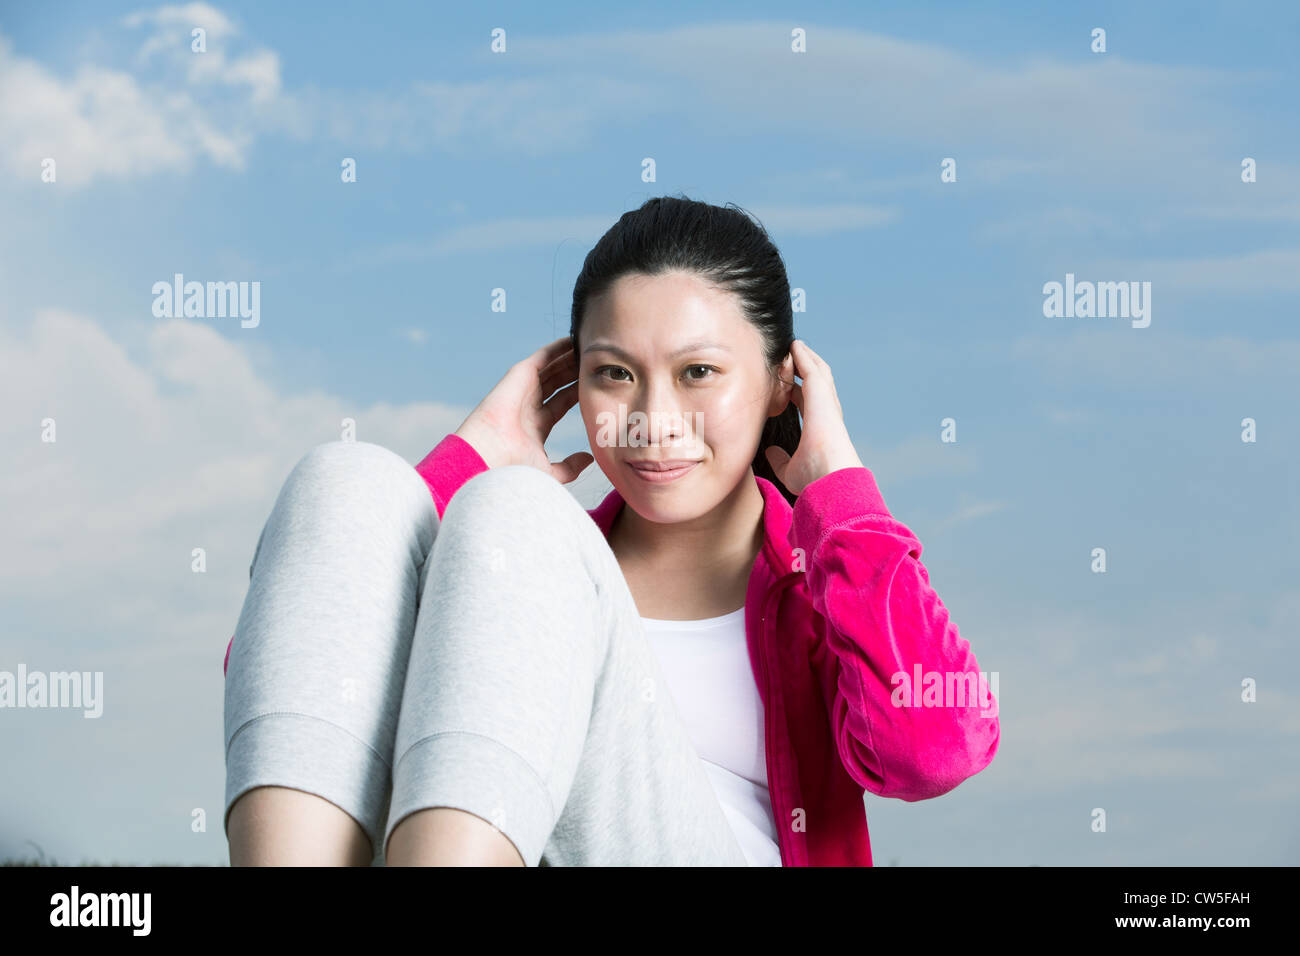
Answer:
(318, 663)
(533, 700)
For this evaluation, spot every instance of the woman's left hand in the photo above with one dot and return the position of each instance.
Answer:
(824, 444)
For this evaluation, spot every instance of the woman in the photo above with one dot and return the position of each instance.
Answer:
(457, 665)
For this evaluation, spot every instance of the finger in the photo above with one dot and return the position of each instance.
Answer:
(809, 359)
(778, 458)
(817, 374)
(814, 359)
(547, 353)
(797, 358)
(556, 354)
(569, 469)
(561, 371)
(527, 373)
(816, 403)
(558, 405)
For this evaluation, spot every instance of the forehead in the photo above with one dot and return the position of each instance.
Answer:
(656, 312)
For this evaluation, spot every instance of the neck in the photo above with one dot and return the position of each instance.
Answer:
(725, 538)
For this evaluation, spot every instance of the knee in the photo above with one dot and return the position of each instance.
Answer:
(335, 457)
(359, 467)
(361, 476)
(516, 493)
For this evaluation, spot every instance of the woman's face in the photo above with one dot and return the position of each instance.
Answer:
(670, 371)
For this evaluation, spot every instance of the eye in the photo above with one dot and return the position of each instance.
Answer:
(707, 368)
(600, 372)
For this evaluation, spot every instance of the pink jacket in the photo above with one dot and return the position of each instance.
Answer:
(839, 610)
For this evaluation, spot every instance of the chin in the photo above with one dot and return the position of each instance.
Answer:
(685, 499)
(662, 511)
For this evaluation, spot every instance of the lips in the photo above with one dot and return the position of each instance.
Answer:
(666, 465)
(659, 472)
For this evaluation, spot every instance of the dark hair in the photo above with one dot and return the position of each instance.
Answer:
(727, 247)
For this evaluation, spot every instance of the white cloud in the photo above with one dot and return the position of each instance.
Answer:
(180, 445)
(185, 16)
(104, 122)
(171, 36)
(101, 123)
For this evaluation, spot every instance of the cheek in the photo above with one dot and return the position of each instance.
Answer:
(600, 418)
(730, 419)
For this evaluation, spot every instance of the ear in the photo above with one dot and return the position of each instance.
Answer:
(781, 390)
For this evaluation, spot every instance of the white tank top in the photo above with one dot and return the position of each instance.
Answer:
(706, 666)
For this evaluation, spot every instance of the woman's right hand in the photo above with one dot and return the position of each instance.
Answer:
(510, 426)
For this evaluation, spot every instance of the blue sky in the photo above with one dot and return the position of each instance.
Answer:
(478, 170)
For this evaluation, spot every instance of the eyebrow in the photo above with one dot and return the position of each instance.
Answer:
(692, 347)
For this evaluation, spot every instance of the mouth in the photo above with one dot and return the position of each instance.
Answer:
(659, 472)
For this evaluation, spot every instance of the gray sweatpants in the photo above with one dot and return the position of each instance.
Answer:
(493, 662)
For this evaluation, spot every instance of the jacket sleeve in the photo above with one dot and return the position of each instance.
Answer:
(879, 620)
(452, 462)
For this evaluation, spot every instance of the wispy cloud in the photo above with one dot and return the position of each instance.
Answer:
(172, 37)
(1120, 356)
(1126, 696)
(1066, 416)
(548, 231)
(494, 235)
(823, 219)
(970, 512)
(1074, 222)
(1005, 121)
(1262, 270)
(914, 457)
(1031, 109)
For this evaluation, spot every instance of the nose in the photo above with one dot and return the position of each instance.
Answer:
(665, 422)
